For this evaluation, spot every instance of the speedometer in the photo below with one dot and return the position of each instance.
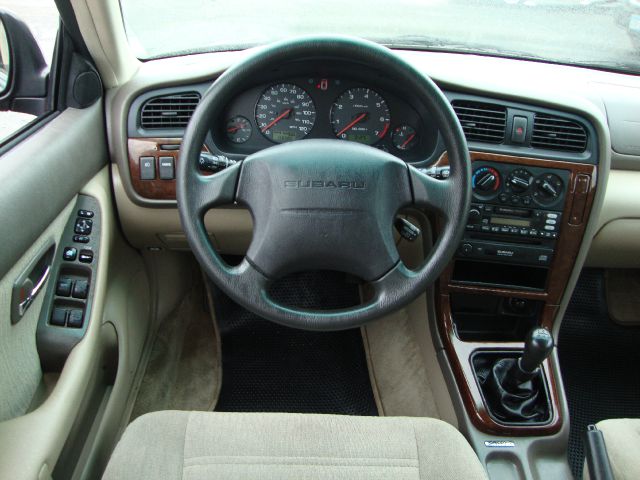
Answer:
(285, 112)
(360, 115)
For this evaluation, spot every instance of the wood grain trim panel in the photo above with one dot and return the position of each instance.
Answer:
(459, 352)
(150, 147)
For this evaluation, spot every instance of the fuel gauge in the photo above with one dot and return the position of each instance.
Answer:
(238, 129)
(405, 137)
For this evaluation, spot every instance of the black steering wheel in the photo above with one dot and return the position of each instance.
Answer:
(323, 204)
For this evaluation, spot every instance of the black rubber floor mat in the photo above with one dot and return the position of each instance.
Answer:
(271, 368)
(599, 362)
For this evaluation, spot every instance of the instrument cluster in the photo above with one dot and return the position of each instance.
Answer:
(310, 107)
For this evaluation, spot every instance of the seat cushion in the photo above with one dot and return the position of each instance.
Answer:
(622, 439)
(175, 445)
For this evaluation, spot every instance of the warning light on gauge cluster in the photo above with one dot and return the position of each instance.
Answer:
(323, 84)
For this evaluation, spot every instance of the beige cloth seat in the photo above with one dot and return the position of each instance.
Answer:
(174, 445)
(622, 439)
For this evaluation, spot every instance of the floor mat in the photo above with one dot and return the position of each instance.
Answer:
(183, 370)
(271, 368)
(599, 362)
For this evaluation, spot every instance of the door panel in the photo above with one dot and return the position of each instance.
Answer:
(20, 372)
(41, 179)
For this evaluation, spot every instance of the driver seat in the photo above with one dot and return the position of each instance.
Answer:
(174, 445)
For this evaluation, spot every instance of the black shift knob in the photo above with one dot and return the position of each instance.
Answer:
(537, 347)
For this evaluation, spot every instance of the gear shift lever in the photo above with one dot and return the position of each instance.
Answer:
(537, 347)
(514, 387)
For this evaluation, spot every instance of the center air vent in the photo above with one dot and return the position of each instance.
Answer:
(556, 133)
(171, 111)
(481, 122)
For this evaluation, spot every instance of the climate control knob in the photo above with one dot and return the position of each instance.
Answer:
(548, 188)
(486, 180)
(519, 180)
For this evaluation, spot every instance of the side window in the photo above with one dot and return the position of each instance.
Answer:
(41, 18)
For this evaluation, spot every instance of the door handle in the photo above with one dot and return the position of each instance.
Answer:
(33, 293)
(30, 282)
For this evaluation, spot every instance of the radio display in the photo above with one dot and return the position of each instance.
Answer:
(516, 222)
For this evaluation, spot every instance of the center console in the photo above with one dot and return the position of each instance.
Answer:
(525, 226)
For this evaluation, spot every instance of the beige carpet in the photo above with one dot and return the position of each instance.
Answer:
(183, 371)
(398, 373)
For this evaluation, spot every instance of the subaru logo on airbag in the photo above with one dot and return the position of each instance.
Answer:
(338, 184)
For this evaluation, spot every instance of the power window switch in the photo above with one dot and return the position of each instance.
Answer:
(147, 168)
(75, 318)
(167, 168)
(58, 317)
(86, 256)
(63, 287)
(80, 289)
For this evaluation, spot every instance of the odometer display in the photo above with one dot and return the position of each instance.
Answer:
(285, 112)
(360, 115)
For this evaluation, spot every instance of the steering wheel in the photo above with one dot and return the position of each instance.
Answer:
(323, 204)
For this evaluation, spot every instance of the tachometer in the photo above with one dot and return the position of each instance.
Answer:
(285, 112)
(360, 115)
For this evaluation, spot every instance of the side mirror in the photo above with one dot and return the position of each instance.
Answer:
(23, 70)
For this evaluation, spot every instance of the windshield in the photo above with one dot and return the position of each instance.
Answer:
(599, 33)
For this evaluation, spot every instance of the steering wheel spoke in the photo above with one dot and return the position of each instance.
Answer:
(214, 190)
(432, 193)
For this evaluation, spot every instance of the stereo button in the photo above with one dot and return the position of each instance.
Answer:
(551, 222)
(466, 248)
(549, 227)
(552, 215)
(485, 228)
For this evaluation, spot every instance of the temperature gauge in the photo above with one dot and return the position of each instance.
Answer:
(238, 129)
(405, 137)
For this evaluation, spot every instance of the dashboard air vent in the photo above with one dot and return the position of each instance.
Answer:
(481, 122)
(171, 111)
(556, 133)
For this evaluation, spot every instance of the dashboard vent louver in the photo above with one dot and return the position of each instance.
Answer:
(171, 111)
(481, 122)
(556, 133)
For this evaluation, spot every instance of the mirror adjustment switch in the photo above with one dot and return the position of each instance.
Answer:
(83, 226)
(63, 287)
(86, 256)
(167, 170)
(80, 289)
(147, 168)
(58, 317)
(69, 254)
(75, 318)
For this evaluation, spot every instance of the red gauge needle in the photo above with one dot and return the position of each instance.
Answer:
(233, 129)
(352, 123)
(406, 142)
(277, 119)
